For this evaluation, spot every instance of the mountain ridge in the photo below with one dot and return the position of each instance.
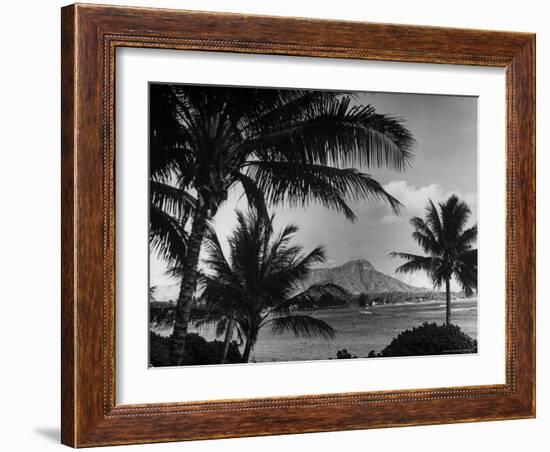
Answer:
(359, 276)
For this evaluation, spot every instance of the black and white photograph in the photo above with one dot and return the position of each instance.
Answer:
(294, 224)
(275, 226)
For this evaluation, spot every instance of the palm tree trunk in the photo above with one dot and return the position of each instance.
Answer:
(187, 287)
(448, 301)
(248, 348)
(228, 336)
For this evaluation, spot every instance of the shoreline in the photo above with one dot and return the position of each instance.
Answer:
(399, 303)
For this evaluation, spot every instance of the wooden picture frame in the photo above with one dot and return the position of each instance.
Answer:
(90, 36)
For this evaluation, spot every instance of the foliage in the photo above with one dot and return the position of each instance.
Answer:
(280, 147)
(448, 244)
(325, 301)
(259, 282)
(430, 339)
(344, 354)
(369, 299)
(293, 147)
(197, 351)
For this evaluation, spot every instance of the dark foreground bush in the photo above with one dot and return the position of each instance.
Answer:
(344, 354)
(197, 351)
(431, 339)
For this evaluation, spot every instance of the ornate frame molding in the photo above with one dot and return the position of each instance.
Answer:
(90, 37)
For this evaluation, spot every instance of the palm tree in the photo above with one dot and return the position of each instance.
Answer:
(448, 244)
(292, 147)
(260, 281)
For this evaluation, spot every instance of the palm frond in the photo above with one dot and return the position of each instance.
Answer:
(466, 239)
(285, 276)
(215, 259)
(254, 195)
(167, 236)
(170, 142)
(424, 236)
(172, 200)
(299, 184)
(287, 106)
(167, 161)
(466, 271)
(455, 213)
(309, 296)
(333, 132)
(301, 325)
(414, 262)
(434, 222)
(223, 296)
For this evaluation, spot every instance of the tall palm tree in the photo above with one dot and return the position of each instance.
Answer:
(448, 244)
(290, 147)
(260, 281)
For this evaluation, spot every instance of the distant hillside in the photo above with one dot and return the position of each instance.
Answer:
(355, 276)
(359, 276)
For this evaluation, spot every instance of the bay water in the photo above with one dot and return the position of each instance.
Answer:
(358, 330)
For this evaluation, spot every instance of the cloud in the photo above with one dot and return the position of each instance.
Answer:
(415, 199)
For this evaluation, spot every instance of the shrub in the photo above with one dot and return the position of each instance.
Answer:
(197, 351)
(344, 354)
(431, 339)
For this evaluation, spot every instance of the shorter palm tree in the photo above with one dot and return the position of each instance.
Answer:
(260, 282)
(448, 244)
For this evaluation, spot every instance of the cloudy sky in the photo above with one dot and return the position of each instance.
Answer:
(445, 162)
